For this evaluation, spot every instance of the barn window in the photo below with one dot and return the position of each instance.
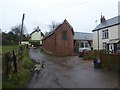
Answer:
(64, 35)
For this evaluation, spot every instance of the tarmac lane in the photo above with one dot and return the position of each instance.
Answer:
(70, 72)
(0, 71)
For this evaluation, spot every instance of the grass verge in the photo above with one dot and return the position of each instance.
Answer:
(20, 79)
(8, 48)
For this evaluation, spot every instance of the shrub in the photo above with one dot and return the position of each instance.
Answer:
(35, 43)
(92, 54)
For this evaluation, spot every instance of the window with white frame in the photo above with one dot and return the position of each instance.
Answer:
(104, 45)
(105, 34)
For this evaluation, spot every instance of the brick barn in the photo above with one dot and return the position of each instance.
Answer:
(60, 41)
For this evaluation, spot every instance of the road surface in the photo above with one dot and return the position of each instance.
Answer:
(70, 72)
(0, 71)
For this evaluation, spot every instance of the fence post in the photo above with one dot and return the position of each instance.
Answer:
(6, 65)
(101, 60)
(15, 63)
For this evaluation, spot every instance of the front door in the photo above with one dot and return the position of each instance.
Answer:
(107, 47)
(115, 47)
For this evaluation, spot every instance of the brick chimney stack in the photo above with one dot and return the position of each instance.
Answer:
(38, 29)
(102, 19)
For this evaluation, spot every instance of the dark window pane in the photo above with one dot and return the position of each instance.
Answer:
(64, 35)
(105, 34)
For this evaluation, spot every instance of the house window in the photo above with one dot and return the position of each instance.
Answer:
(104, 45)
(105, 34)
(64, 35)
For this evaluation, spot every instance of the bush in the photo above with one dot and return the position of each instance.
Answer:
(8, 42)
(27, 62)
(93, 54)
(19, 79)
(36, 43)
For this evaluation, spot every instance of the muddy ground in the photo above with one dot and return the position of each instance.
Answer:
(70, 72)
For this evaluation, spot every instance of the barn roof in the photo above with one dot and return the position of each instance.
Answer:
(52, 32)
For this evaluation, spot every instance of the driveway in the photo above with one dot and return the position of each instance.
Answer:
(70, 72)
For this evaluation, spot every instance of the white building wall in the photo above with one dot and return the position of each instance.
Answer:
(113, 34)
(36, 36)
(100, 40)
(95, 40)
(119, 31)
(119, 19)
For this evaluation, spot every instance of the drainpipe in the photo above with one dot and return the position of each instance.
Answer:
(98, 39)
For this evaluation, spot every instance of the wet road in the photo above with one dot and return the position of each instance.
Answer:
(70, 72)
(0, 71)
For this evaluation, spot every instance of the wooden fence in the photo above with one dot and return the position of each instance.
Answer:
(11, 62)
(110, 61)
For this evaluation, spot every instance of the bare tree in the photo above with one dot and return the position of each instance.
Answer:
(53, 25)
(17, 30)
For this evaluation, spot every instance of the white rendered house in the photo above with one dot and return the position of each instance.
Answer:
(37, 35)
(107, 34)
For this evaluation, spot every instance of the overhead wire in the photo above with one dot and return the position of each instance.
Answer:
(66, 5)
(58, 7)
(62, 6)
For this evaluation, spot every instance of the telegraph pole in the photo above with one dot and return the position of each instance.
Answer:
(22, 28)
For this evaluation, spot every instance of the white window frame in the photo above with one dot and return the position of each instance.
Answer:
(104, 45)
(105, 34)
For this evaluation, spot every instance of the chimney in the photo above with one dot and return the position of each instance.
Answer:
(38, 28)
(102, 19)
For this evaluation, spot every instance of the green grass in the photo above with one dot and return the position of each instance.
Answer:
(17, 80)
(27, 63)
(8, 48)
(0, 49)
(20, 79)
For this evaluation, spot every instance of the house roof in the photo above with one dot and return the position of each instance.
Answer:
(37, 31)
(108, 23)
(82, 36)
(52, 32)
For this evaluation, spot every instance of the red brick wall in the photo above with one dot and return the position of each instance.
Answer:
(61, 48)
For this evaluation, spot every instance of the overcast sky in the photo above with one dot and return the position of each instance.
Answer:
(81, 14)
